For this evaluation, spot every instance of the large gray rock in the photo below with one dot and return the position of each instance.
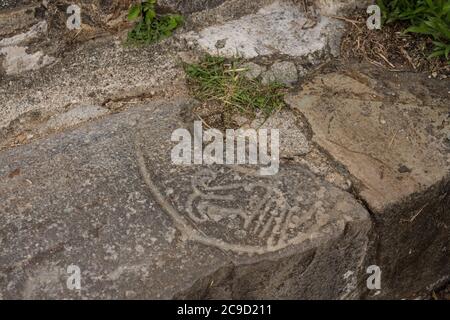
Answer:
(107, 198)
(282, 28)
(100, 73)
(391, 136)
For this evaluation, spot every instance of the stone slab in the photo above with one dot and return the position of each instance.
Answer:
(394, 148)
(106, 197)
(391, 134)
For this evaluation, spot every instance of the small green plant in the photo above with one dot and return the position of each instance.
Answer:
(223, 81)
(426, 17)
(150, 26)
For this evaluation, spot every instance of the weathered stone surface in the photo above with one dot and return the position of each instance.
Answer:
(18, 29)
(293, 139)
(106, 198)
(337, 6)
(12, 21)
(7, 4)
(253, 70)
(34, 33)
(396, 151)
(375, 138)
(74, 116)
(14, 49)
(284, 72)
(189, 6)
(17, 60)
(100, 73)
(280, 28)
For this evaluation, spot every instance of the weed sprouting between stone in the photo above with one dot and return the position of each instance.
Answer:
(150, 26)
(218, 80)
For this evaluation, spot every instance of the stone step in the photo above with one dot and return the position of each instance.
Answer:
(396, 146)
(45, 76)
(107, 199)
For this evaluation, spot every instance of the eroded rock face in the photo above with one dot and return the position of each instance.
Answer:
(274, 27)
(14, 49)
(108, 199)
(105, 197)
(12, 22)
(100, 73)
(396, 149)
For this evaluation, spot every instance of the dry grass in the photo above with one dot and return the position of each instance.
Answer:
(390, 48)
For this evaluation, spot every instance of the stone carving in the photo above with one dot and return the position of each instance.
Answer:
(235, 209)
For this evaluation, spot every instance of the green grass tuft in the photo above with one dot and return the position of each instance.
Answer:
(222, 81)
